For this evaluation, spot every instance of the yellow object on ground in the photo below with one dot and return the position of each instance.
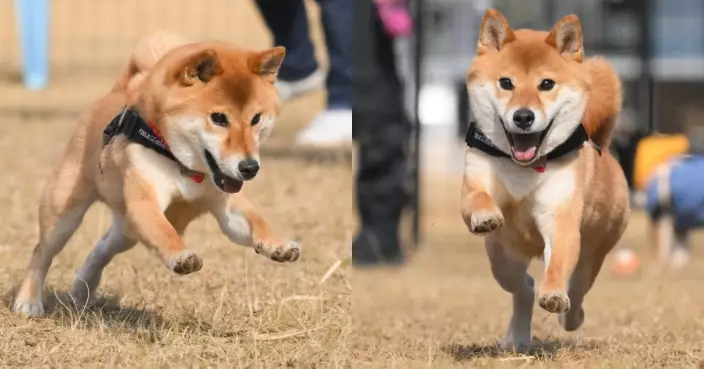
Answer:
(653, 151)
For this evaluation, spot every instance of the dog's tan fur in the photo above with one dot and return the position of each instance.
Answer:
(175, 85)
(574, 213)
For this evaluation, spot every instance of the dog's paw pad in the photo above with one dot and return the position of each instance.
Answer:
(555, 302)
(279, 251)
(185, 263)
(485, 221)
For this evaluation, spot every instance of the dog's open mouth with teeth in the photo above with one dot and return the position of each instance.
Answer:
(525, 146)
(222, 181)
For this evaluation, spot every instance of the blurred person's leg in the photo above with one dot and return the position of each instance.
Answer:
(334, 124)
(288, 22)
(680, 250)
(381, 130)
(337, 24)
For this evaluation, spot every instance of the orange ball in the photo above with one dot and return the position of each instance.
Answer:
(625, 262)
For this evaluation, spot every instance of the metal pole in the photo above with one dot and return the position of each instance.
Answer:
(417, 63)
(646, 83)
(33, 17)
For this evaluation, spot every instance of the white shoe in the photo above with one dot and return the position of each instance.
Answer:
(290, 89)
(331, 127)
(679, 258)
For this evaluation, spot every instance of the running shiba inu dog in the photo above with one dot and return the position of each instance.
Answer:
(538, 180)
(176, 137)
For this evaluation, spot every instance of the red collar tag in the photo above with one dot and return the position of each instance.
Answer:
(540, 169)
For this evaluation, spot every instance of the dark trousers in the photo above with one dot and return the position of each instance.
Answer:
(381, 130)
(288, 23)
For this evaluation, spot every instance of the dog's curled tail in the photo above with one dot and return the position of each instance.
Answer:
(148, 52)
(605, 101)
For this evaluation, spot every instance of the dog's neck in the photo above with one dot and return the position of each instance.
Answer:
(475, 138)
(133, 124)
(143, 105)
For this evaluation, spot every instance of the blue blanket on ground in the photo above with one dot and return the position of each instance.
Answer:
(686, 191)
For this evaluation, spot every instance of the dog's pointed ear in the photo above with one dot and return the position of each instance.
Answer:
(566, 37)
(202, 67)
(267, 63)
(494, 33)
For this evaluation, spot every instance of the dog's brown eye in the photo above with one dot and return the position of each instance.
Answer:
(506, 84)
(546, 85)
(219, 119)
(256, 119)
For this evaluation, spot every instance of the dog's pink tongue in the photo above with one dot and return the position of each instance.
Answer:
(233, 186)
(524, 155)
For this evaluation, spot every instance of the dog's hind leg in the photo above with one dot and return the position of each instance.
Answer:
(512, 275)
(67, 197)
(114, 241)
(582, 280)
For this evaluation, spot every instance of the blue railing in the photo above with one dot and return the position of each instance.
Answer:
(33, 21)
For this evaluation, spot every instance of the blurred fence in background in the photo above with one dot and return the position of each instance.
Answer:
(97, 36)
(668, 33)
(90, 42)
(657, 47)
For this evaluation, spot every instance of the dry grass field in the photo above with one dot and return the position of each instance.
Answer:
(444, 309)
(441, 310)
(241, 310)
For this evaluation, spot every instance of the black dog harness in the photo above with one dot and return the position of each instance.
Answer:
(476, 139)
(143, 132)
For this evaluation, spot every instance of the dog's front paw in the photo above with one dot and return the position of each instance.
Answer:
(278, 250)
(483, 222)
(186, 262)
(82, 295)
(554, 302)
(510, 342)
(572, 320)
(29, 308)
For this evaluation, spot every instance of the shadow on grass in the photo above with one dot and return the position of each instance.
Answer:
(106, 310)
(540, 350)
(107, 313)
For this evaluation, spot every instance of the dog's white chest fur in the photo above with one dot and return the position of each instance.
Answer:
(507, 182)
(165, 176)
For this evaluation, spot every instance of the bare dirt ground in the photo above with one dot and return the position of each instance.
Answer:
(444, 309)
(241, 310)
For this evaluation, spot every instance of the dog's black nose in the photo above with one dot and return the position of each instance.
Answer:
(523, 118)
(248, 168)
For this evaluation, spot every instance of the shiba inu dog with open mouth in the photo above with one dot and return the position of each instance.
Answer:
(539, 180)
(176, 137)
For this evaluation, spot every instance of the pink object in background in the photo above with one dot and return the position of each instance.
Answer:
(396, 18)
